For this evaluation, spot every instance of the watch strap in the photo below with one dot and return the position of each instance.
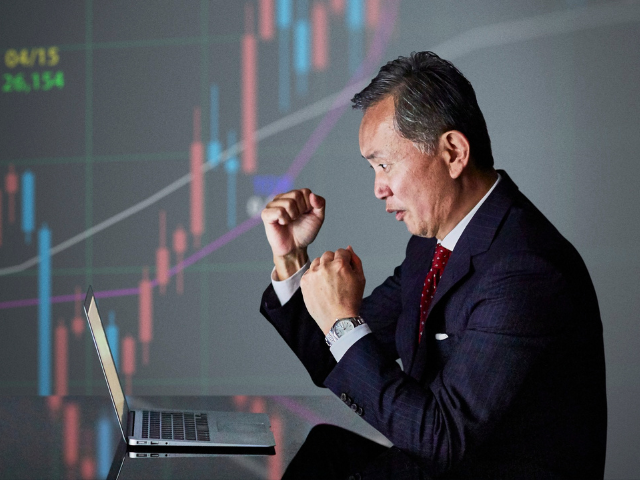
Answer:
(333, 337)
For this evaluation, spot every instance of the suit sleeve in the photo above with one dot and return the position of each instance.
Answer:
(512, 323)
(298, 329)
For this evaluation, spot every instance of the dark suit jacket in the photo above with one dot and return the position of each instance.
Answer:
(517, 390)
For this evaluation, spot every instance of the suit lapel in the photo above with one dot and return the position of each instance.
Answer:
(408, 321)
(475, 239)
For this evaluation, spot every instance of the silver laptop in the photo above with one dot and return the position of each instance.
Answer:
(175, 428)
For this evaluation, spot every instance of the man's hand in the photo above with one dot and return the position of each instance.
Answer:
(333, 286)
(292, 221)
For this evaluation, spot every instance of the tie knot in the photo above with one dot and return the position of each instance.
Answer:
(440, 257)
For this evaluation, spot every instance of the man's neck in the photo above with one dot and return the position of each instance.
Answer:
(472, 188)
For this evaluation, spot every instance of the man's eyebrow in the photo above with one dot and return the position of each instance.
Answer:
(371, 156)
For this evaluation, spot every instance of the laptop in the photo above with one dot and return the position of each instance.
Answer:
(160, 430)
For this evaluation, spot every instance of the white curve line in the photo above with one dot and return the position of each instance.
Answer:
(503, 33)
(543, 25)
(310, 112)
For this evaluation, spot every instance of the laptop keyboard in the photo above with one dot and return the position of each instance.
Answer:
(175, 425)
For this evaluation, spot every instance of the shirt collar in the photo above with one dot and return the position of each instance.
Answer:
(449, 242)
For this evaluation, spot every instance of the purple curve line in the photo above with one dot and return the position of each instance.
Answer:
(213, 246)
(331, 118)
(123, 292)
(322, 130)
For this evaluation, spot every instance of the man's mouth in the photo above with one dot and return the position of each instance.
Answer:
(399, 214)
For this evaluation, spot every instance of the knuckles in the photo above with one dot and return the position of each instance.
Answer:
(292, 203)
(327, 256)
(297, 195)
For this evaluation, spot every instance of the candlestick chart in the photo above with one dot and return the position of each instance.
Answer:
(140, 139)
(139, 144)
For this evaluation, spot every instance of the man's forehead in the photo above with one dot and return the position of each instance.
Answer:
(379, 112)
(377, 126)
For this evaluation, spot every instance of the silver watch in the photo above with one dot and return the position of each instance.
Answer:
(341, 327)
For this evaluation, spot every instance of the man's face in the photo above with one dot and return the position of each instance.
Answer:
(416, 187)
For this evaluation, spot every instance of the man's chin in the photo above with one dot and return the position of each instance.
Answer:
(419, 232)
(413, 229)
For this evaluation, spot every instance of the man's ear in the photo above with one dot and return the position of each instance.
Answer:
(455, 151)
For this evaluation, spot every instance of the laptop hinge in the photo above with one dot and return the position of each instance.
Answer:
(131, 423)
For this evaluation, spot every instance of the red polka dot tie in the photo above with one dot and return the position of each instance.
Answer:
(440, 258)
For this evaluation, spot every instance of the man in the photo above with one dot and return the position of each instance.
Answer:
(492, 312)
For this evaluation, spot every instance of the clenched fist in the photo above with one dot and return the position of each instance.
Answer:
(292, 221)
(333, 287)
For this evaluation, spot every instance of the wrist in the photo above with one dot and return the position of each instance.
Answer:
(287, 265)
(328, 324)
(341, 327)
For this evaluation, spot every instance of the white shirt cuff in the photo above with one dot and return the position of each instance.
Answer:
(286, 288)
(344, 343)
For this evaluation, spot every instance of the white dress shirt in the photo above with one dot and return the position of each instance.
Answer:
(286, 288)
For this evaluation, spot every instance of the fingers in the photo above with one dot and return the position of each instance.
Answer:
(314, 264)
(287, 207)
(342, 256)
(356, 263)
(317, 203)
(339, 256)
(327, 257)
(273, 214)
(302, 198)
(321, 262)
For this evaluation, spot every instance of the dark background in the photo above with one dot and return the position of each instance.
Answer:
(557, 82)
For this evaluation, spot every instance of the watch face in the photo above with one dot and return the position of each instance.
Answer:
(342, 327)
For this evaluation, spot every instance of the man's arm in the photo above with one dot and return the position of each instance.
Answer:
(292, 221)
(512, 331)
(299, 330)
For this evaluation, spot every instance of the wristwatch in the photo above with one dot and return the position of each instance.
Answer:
(341, 327)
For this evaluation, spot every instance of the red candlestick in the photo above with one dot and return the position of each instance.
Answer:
(88, 468)
(249, 96)
(54, 403)
(240, 401)
(128, 361)
(373, 13)
(320, 44)
(197, 181)
(77, 324)
(145, 310)
(180, 247)
(258, 405)
(162, 255)
(62, 359)
(11, 186)
(337, 7)
(267, 29)
(71, 434)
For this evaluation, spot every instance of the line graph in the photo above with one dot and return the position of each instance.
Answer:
(334, 104)
(555, 23)
(240, 158)
(133, 348)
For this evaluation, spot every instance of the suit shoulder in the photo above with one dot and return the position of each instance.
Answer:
(526, 228)
(527, 237)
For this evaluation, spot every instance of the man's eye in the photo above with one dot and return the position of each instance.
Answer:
(383, 166)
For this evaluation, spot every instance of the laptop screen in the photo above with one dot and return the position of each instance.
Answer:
(106, 359)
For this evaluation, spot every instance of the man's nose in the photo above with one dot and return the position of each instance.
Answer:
(380, 188)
